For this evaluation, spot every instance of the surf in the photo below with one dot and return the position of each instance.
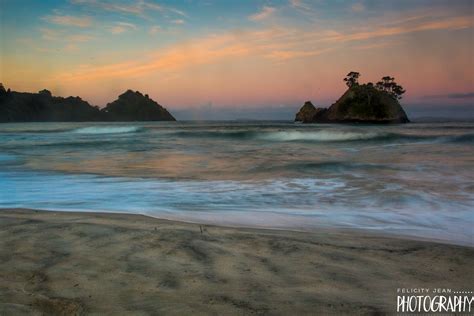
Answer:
(319, 136)
(106, 130)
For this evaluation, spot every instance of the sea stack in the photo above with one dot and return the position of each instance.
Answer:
(309, 113)
(134, 106)
(366, 103)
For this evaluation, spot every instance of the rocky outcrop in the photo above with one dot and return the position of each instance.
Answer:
(134, 106)
(44, 107)
(309, 113)
(359, 104)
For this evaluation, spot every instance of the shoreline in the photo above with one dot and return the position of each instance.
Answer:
(81, 263)
(298, 225)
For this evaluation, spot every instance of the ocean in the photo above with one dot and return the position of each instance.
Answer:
(413, 180)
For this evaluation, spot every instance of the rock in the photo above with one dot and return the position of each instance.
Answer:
(134, 106)
(43, 107)
(308, 113)
(359, 104)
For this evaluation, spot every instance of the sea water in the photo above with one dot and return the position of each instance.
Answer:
(411, 180)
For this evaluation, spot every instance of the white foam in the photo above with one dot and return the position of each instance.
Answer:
(322, 136)
(106, 129)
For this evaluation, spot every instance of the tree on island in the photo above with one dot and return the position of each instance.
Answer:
(389, 85)
(352, 79)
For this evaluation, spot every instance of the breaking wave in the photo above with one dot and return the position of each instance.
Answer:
(320, 136)
(300, 136)
(323, 136)
(106, 130)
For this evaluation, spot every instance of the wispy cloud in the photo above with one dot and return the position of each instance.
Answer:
(50, 34)
(62, 36)
(454, 23)
(299, 4)
(178, 21)
(121, 27)
(69, 20)
(282, 55)
(135, 7)
(274, 44)
(179, 12)
(264, 14)
(174, 57)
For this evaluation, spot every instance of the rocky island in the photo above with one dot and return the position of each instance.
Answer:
(361, 103)
(44, 107)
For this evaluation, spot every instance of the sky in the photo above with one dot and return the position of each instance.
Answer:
(240, 59)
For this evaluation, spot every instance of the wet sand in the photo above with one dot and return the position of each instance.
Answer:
(67, 263)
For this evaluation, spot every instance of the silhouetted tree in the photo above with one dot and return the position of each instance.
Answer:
(388, 84)
(45, 92)
(385, 84)
(397, 91)
(352, 79)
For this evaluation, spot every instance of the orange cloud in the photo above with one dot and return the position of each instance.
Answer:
(275, 44)
(269, 64)
(179, 56)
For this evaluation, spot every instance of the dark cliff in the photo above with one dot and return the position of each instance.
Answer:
(43, 107)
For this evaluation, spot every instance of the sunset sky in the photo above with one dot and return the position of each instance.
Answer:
(198, 56)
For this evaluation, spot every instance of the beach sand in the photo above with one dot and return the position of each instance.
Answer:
(100, 263)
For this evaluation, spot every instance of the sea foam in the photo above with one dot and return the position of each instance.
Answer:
(322, 136)
(106, 130)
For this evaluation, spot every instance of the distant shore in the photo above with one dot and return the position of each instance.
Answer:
(74, 263)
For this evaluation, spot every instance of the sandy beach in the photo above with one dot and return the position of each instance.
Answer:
(67, 263)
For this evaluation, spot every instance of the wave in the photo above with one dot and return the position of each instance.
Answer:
(320, 136)
(106, 130)
(300, 136)
(283, 136)
(323, 136)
